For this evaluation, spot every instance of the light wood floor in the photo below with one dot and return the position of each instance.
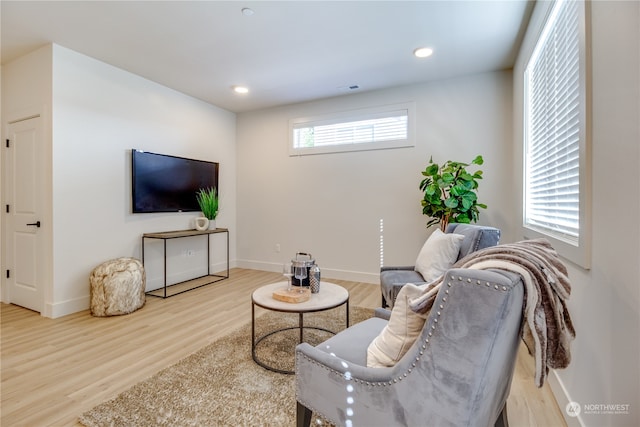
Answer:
(55, 369)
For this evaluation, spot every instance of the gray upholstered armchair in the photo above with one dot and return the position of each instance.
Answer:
(393, 278)
(457, 373)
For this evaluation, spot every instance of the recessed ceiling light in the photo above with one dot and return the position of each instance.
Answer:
(246, 11)
(240, 89)
(423, 52)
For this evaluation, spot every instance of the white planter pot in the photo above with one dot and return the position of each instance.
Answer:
(201, 223)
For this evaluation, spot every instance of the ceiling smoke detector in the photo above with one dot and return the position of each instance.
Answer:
(349, 87)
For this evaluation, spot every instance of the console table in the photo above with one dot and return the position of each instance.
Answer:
(168, 235)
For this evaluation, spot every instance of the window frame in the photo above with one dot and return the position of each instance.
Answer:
(353, 116)
(577, 250)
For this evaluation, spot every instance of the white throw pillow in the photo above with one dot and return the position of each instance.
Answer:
(438, 254)
(400, 333)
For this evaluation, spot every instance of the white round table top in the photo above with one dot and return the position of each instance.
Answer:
(330, 296)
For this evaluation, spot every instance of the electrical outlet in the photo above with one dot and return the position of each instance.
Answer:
(277, 248)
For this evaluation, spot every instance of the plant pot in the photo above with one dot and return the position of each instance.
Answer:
(201, 223)
(212, 224)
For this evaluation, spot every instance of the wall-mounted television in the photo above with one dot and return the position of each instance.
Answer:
(164, 183)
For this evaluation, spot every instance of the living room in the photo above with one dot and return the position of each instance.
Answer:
(332, 206)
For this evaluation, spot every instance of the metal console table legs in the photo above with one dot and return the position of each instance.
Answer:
(168, 235)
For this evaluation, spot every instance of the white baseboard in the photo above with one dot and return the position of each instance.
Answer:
(563, 399)
(63, 308)
(327, 273)
(353, 276)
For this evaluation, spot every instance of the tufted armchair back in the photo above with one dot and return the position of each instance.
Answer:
(475, 237)
(457, 373)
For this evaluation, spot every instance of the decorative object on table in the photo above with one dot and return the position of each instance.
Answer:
(450, 193)
(314, 279)
(300, 273)
(287, 271)
(117, 287)
(201, 223)
(293, 296)
(209, 204)
(305, 261)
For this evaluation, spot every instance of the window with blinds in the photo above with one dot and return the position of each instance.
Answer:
(555, 126)
(370, 129)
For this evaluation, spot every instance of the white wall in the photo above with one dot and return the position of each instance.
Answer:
(605, 300)
(331, 205)
(99, 113)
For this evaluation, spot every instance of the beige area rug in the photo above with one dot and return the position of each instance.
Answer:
(221, 385)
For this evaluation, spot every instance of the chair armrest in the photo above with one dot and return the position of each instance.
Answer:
(394, 278)
(313, 359)
(382, 313)
(401, 267)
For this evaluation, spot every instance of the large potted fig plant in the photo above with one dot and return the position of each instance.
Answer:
(450, 193)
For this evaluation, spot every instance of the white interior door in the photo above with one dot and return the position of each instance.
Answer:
(24, 184)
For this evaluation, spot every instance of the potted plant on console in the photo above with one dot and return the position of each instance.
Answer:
(208, 202)
(450, 193)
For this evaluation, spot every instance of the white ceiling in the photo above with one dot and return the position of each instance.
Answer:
(286, 52)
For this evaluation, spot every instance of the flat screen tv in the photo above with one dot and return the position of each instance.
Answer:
(163, 183)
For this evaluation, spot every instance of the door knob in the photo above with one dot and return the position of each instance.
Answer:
(37, 224)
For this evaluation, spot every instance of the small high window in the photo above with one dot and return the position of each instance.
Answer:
(370, 129)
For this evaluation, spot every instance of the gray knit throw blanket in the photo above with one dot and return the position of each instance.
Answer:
(547, 329)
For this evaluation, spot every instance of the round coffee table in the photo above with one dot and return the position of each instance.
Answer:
(330, 296)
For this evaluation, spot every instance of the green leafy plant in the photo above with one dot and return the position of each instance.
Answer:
(208, 202)
(450, 193)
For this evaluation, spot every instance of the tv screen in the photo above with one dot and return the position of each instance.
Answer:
(163, 183)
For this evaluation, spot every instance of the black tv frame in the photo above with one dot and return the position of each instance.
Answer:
(169, 181)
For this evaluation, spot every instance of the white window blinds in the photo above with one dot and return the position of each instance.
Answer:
(554, 127)
(385, 127)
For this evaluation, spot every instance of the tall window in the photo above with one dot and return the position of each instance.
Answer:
(370, 129)
(555, 168)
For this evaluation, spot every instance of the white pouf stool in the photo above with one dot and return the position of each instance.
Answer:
(117, 287)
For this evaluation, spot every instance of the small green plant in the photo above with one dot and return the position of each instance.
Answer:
(208, 202)
(450, 193)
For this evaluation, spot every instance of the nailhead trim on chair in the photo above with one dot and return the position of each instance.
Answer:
(417, 359)
(438, 314)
